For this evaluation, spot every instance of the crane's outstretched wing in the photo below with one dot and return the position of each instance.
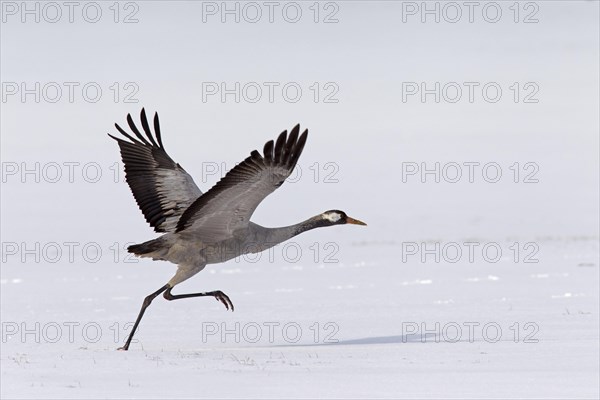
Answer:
(161, 187)
(228, 205)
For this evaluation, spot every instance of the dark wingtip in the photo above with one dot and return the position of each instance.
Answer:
(146, 127)
(255, 154)
(143, 113)
(298, 148)
(280, 147)
(157, 130)
(125, 133)
(136, 131)
(294, 132)
(268, 151)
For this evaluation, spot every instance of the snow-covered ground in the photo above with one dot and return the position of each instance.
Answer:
(483, 287)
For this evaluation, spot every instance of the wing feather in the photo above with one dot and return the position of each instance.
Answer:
(162, 189)
(228, 205)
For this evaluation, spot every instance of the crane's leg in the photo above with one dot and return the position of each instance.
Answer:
(145, 305)
(217, 294)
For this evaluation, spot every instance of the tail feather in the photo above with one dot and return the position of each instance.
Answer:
(152, 248)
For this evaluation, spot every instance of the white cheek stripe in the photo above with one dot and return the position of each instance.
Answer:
(333, 217)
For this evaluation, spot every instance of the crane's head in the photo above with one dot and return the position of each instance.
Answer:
(337, 217)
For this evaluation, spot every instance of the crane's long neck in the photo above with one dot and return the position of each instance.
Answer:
(278, 235)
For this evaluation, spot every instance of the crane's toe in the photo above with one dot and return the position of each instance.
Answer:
(223, 298)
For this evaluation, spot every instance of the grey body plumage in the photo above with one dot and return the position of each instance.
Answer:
(212, 227)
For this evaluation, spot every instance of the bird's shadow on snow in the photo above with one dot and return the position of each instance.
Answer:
(396, 339)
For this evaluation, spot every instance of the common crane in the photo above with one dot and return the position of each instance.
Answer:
(213, 227)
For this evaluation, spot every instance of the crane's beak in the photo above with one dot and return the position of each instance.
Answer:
(354, 221)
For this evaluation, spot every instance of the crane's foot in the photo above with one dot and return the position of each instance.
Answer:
(222, 297)
(217, 294)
